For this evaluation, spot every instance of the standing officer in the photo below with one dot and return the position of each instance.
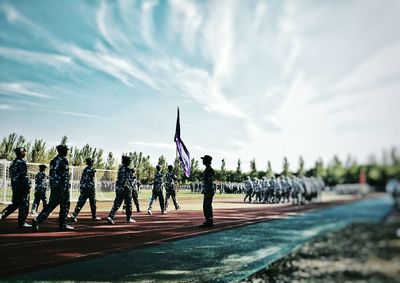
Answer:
(157, 191)
(170, 179)
(208, 191)
(87, 191)
(20, 185)
(123, 191)
(59, 186)
(40, 189)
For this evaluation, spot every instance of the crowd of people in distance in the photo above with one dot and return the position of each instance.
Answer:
(283, 189)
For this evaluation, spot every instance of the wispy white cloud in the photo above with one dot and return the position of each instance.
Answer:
(186, 19)
(147, 22)
(154, 145)
(29, 57)
(6, 107)
(78, 114)
(377, 69)
(111, 64)
(23, 89)
(12, 14)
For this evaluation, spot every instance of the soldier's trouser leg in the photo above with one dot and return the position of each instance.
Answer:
(167, 196)
(81, 202)
(173, 195)
(207, 207)
(36, 201)
(53, 202)
(119, 196)
(128, 202)
(92, 201)
(161, 200)
(153, 198)
(135, 198)
(44, 199)
(64, 208)
(23, 208)
(15, 200)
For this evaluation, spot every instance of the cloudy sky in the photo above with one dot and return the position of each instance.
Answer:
(262, 79)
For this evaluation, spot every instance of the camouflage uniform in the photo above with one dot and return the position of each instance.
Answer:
(123, 191)
(170, 188)
(21, 186)
(40, 191)
(87, 191)
(157, 192)
(59, 195)
(208, 191)
(248, 185)
(135, 193)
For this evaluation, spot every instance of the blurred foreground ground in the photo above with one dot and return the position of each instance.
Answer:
(362, 252)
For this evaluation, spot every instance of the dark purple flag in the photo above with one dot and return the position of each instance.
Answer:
(184, 154)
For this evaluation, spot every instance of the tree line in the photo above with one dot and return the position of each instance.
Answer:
(334, 172)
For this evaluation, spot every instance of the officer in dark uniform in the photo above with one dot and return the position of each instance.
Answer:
(59, 186)
(157, 191)
(135, 192)
(87, 191)
(123, 191)
(208, 191)
(40, 189)
(20, 185)
(170, 179)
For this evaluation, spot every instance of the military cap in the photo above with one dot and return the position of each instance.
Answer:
(207, 158)
(89, 160)
(19, 150)
(126, 159)
(62, 148)
(42, 166)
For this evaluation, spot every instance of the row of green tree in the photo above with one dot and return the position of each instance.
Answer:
(334, 172)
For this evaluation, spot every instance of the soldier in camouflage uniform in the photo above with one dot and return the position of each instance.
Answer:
(40, 189)
(170, 179)
(135, 183)
(60, 186)
(20, 185)
(157, 191)
(208, 191)
(248, 186)
(123, 191)
(87, 191)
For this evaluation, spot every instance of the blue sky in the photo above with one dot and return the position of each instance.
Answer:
(262, 79)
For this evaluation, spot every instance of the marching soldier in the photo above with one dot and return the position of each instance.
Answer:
(123, 191)
(40, 189)
(157, 191)
(248, 185)
(60, 186)
(208, 191)
(135, 192)
(20, 185)
(170, 179)
(87, 191)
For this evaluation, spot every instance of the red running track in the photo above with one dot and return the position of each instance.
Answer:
(22, 250)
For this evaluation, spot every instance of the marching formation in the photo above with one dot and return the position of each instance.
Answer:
(274, 190)
(126, 190)
(283, 189)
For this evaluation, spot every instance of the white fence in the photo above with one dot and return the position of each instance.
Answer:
(105, 181)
